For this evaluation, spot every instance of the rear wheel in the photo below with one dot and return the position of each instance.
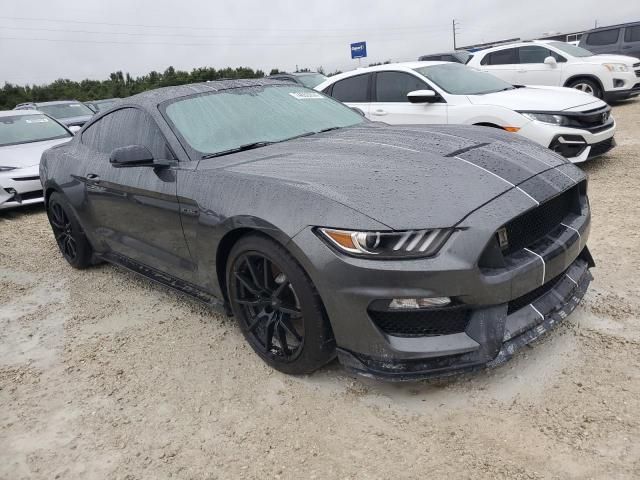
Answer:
(278, 309)
(67, 231)
(587, 86)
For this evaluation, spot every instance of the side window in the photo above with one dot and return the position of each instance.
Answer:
(124, 127)
(632, 34)
(394, 86)
(533, 54)
(353, 89)
(604, 37)
(508, 56)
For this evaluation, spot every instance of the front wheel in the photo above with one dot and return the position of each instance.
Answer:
(587, 86)
(278, 309)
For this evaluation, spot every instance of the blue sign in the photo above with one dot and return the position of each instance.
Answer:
(359, 50)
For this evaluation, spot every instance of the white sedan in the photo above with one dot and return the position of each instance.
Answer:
(24, 136)
(574, 124)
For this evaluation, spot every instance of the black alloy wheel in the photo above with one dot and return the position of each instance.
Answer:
(68, 234)
(279, 311)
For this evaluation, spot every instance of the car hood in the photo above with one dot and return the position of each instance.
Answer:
(401, 176)
(600, 59)
(26, 154)
(551, 99)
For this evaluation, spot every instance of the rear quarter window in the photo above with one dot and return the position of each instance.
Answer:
(604, 37)
(508, 56)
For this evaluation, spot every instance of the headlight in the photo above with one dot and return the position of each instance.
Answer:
(547, 118)
(616, 67)
(6, 169)
(387, 245)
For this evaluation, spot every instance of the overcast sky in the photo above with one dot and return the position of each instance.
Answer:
(41, 40)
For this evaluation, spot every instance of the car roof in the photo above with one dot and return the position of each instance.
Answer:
(619, 25)
(57, 102)
(152, 98)
(13, 113)
(388, 66)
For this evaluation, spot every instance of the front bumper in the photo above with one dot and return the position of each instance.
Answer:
(512, 331)
(350, 287)
(551, 135)
(20, 187)
(617, 95)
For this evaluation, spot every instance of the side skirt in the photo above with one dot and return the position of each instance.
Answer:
(166, 280)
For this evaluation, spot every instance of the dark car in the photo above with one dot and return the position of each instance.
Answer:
(71, 113)
(459, 56)
(407, 251)
(101, 105)
(617, 39)
(306, 79)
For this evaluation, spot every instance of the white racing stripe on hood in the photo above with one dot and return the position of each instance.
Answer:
(501, 178)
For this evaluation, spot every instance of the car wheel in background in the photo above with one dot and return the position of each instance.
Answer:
(587, 86)
(67, 231)
(278, 309)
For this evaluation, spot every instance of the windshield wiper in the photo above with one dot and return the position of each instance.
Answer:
(241, 148)
(329, 129)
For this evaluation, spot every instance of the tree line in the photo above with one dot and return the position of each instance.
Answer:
(119, 85)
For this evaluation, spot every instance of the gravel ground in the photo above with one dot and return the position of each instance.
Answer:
(104, 375)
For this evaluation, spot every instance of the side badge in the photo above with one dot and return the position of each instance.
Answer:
(503, 238)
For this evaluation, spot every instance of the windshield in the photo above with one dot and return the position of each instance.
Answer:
(464, 56)
(571, 49)
(17, 129)
(217, 122)
(459, 79)
(311, 81)
(66, 110)
(103, 105)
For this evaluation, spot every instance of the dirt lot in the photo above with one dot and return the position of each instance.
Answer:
(103, 375)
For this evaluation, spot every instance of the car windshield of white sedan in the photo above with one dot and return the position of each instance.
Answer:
(66, 110)
(458, 79)
(17, 129)
(572, 49)
(233, 119)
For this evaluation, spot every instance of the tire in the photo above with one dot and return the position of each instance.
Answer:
(586, 85)
(71, 240)
(280, 313)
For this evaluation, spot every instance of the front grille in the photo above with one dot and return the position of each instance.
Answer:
(637, 73)
(594, 120)
(521, 302)
(535, 224)
(421, 323)
(601, 148)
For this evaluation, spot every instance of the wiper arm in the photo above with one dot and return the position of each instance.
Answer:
(329, 129)
(241, 148)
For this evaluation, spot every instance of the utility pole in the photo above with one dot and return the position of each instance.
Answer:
(454, 26)
(596, 25)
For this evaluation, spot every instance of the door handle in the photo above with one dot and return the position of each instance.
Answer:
(522, 71)
(379, 112)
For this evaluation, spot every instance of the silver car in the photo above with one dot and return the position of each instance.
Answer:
(24, 135)
(70, 112)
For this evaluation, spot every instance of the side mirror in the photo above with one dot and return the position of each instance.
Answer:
(131, 156)
(551, 61)
(422, 96)
(358, 111)
(75, 129)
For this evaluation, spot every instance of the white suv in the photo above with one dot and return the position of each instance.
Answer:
(547, 62)
(574, 124)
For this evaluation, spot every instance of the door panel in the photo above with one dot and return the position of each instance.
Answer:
(501, 63)
(134, 211)
(533, 71)
(391, 106)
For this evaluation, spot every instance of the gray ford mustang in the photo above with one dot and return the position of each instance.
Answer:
(406, 251)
